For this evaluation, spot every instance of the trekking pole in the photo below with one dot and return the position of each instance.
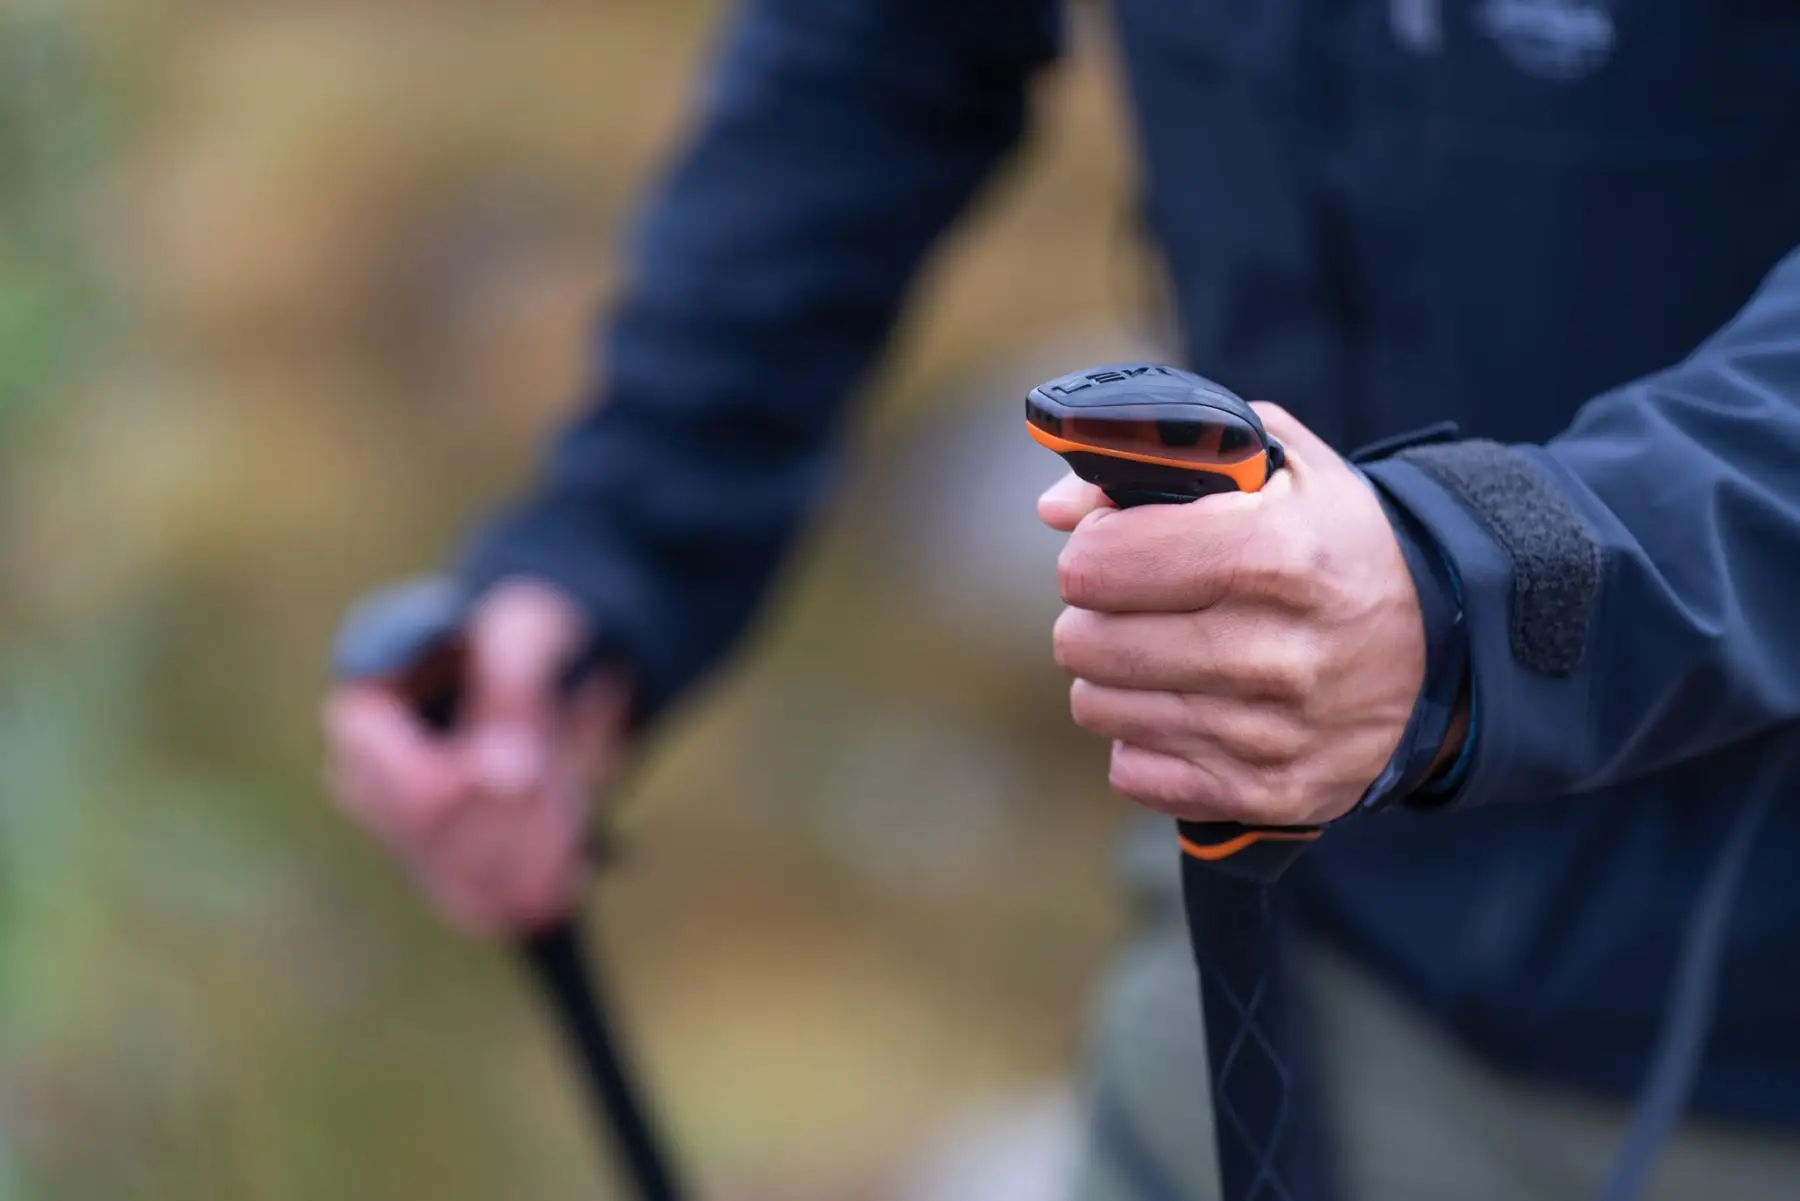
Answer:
(1149, 434)
(410, 636)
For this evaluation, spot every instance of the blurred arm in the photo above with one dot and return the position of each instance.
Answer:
(837, 140)
(1629, 588)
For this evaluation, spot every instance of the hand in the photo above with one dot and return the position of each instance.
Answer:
(1254, 657)
(490, 818)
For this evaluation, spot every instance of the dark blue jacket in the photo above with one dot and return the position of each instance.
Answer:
(1556, 222)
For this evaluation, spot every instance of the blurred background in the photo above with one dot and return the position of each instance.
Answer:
(289, 292)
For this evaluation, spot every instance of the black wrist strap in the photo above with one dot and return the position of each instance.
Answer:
(1446, 661)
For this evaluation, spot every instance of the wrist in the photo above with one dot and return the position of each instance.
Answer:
(1451, 751)
(1436, 736)
(1451, 766)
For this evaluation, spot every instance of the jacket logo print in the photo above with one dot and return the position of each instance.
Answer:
(1552, 39)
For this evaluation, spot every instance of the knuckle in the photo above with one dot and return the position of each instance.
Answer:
(1283, 561)
(1290, 569)
(1286, 673)
(1278, 797)
(1269, 739)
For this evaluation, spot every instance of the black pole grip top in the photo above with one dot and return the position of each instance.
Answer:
(1146, 433)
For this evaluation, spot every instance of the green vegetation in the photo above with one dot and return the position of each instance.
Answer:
(51, 132)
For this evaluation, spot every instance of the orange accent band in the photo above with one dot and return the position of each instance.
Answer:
(1249, 475)
(1225, 850)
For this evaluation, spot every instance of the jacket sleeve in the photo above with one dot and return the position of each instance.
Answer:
(1629, 587)
(836, 140)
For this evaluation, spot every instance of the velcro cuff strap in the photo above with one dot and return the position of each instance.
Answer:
(1556, 556)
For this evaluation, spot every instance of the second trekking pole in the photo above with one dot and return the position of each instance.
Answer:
(410, 637)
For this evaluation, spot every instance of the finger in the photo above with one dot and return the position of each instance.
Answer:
(1157, 558)
(463, 868)
(509, 867)
(520, 639)
(1157, 721)
(1066, 502)
(1227, 653)
(1171, 785)
(360, 794)
(394, 777)
(551, 861)
(1187, 726)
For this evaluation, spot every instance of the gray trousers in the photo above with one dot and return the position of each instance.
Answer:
(1414, 1117)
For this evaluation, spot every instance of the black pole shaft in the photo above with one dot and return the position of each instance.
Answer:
(1265, 1146)
(556, 960)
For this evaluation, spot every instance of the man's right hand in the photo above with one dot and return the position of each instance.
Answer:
(490, 818)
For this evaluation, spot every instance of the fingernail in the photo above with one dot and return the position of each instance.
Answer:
(509, 759)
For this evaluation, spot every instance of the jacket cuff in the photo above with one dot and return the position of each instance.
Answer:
(1409, 771)
(1530, 581)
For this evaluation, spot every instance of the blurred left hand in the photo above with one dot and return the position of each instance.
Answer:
(1254, 657)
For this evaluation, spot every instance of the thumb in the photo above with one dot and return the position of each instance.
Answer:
(520, 639)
